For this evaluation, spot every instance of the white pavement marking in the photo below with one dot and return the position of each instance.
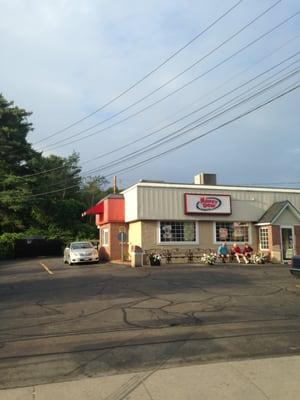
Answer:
(46, 268)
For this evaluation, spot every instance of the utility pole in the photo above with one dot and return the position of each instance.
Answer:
(115, 184)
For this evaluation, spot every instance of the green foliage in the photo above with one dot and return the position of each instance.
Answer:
(15, 151)
(7, 244)
(55, 215)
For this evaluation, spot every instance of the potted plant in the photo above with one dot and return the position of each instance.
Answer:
(259, 258)
(154, 259)
(209, 258)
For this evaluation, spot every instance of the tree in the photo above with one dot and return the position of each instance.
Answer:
(41, 194)
(59, 206)
(15, 153)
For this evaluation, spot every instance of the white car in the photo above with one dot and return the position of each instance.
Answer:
(80, 252)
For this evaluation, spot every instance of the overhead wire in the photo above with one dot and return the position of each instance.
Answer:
(214, 114)
(290, 89)
(180, 132)
(233, 77)
(183, 117)
(216, 100)
(223, 43)
(219, 108)
(280, 95)
(55, 146)
(135, 84)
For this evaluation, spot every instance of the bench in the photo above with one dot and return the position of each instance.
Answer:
(195, 255)
(187, 256)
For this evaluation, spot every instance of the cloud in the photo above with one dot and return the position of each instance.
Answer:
(63, 59)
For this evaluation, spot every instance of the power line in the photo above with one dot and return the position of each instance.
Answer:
(233, 77)
(178, 120)
(208, 104)
(179, 133)
(55, 145)
(145, 76)
(174, 135)
(163, 85)
(136, 165)
(191, 113)
(167, 82)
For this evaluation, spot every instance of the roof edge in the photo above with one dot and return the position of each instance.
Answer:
(211, 187)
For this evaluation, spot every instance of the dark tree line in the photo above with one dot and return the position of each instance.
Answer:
(22, 211)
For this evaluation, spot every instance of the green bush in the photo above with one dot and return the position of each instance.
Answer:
(7, 244)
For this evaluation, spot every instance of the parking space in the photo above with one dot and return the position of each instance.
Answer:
(95, 319)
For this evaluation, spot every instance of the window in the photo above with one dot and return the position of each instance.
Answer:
(104, 237)
(232, 232)
(264, 238)
(171, 231)
(81, 245)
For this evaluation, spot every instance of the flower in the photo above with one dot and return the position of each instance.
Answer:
(209, 259)
(259, 258)
(154, 258)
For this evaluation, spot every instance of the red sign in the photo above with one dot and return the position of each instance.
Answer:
(207, 203)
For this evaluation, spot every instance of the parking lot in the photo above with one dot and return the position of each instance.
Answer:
(61, 322)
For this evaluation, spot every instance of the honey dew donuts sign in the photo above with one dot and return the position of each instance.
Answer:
(207, 204)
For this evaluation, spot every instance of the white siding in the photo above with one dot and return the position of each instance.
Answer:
(131, 204)
(166, 202)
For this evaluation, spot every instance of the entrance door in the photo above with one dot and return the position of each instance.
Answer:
(287, 243)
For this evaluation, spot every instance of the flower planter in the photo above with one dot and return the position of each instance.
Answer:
(154, 262)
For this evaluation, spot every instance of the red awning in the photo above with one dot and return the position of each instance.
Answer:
(97, 209)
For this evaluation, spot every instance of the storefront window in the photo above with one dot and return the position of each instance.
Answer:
(232, 232)
(264, 238)
(177, 231)
(104, 237)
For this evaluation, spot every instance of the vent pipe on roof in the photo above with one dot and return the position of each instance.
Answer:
(205, 179)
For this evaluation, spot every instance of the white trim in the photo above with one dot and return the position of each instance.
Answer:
(130, 188)
(278, 214)
(291, 207)
(236, 241)
(211, 187)
(259, 242)
(272, 222)
(105, 230)
(158, 242)
(281, 244)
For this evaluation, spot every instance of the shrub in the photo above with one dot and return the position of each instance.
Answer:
(7, 244)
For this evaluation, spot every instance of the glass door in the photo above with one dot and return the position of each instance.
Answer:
(287, 243)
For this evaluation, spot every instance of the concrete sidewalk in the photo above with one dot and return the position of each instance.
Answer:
(272, 378)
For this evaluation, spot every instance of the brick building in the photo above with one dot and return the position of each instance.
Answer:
(161, 215)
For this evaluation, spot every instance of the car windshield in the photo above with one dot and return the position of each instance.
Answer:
(81, 245)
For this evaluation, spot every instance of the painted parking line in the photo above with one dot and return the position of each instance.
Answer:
(46, 268)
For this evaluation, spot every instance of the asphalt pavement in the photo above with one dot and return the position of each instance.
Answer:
(62, 323)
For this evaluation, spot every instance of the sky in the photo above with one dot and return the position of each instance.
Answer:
(64, 59)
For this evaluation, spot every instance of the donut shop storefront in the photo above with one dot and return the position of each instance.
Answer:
(166, 216)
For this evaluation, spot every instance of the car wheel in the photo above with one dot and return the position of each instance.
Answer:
(69, 262)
